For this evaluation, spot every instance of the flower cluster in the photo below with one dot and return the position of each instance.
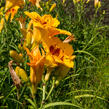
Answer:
(45, 50)
(55, 53)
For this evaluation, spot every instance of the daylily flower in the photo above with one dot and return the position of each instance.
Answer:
(12, 3)
(60, 53)
(57, 52)
(47, 24)
(36, 66)
(11, 11)
(11, 7)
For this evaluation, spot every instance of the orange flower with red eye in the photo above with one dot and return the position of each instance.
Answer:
(60, 53)
(36, 66)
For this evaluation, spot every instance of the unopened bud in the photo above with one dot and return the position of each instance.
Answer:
(17, 57)
(52, 7)
(97, 4)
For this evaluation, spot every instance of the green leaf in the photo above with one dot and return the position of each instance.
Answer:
(91, 96)
(85, 52)
(61, 104)
(32, 103)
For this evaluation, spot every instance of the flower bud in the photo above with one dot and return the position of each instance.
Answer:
(76, 1)
(52, 7)
(17, 57)
(63, 1)
(47, 76)
(97, 4)
(28, 38)
(20, 47)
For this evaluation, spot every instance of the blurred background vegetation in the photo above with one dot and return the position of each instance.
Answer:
(87, 85)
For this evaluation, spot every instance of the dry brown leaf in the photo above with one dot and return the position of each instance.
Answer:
(14, 76)
(69, 39)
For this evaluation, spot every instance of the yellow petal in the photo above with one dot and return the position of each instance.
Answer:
(30, 25)
(55, 31)
(67, 61)
(50, 21)
(46, 20)
(36, 35)
(67, 48)
(34, 16)
(1, 24)
(28, 39)
(50, 62)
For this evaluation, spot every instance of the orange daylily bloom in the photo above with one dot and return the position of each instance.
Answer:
(42, 21)
(45, 29)
(12, 3)
(11, 11)
(46, 24)
(60, 53)
(11, 7)
(36, 66)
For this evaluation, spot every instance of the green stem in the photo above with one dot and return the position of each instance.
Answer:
(43, 96)
(53, 84)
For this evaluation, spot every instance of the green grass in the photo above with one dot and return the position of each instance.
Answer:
(85, 86)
